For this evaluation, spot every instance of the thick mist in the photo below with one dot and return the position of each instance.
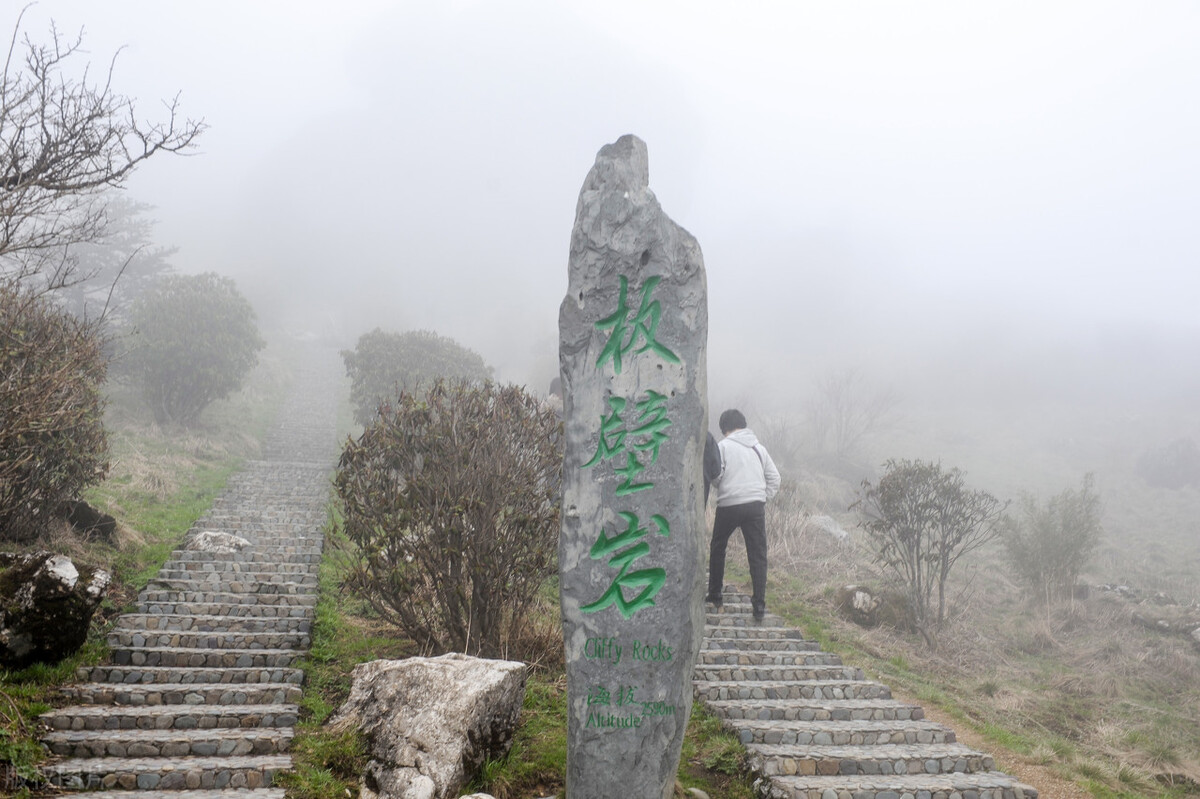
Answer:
(971, 207)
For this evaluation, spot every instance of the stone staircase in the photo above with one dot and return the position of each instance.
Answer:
(816, 729)
(199, 699)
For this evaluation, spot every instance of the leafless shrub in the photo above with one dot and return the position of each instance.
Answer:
(52, 437)
(920, 521)
(451, 501)
(843, 411)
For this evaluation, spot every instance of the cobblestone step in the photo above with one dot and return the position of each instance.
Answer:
(767, 657)
(168, 596)
(250, 514)
(171, 675)
(749, 674)
(958, 785)
(793, 689)
(171, 743)
(175, 774)
(749, 632)
(150, 694)
(203, 658)
(719, 621)
(841, 733)
(311, 556)
(747, 643)
(227, 793)
(237, 584)
(818, 709)
(198, 623)
(200, 639)
(168, 717)
(884, 759)
(238, 610)
(235, 567)
(298, 529)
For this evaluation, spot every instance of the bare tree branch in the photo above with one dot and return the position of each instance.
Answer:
(63, 143)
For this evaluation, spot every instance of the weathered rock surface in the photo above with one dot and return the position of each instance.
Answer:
(859, 604)
(46, 605)
(431, 722)
(826, 527)
(632, 353)
(216, 542)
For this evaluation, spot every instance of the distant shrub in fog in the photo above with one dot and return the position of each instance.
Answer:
(1052, 543)
(384, 363)
(194, 341)
(52, 438)
(1174, 466)
(920, 520)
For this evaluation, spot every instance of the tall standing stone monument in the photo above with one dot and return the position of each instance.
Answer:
(633, 333)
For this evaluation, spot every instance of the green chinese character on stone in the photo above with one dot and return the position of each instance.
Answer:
(612, 433)
(650, 581)
(648, 434)
(626, 333)
(652, 415)
(599, 695)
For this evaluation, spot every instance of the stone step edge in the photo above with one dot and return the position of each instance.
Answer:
(156, 765)
(201, 650)
(838, 725)
(840, 704)
(76, 711)
(82, 673)
(701, 684)
(199, 618)
(152, 687)
(134, 735)
(947, 783)
(212, 599)
(229, 640)
(889, 752)
(201, 793)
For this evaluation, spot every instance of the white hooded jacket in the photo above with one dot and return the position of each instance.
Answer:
(747, 472)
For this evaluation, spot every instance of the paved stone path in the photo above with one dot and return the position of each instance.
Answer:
(199, 699)
(816, 729)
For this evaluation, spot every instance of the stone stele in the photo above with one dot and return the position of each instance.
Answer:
(633, 335)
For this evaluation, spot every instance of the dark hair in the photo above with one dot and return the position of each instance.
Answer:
(732, 420)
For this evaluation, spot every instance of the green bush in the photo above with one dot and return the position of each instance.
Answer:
(52, 438)
(451, 501)
(920, 520)
(1052, 543)
(383, 364)
(194, 340)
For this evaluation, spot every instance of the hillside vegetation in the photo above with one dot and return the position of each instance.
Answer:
(1101, 689)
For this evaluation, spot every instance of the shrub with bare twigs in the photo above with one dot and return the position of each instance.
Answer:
(452, 502)
(52, 438)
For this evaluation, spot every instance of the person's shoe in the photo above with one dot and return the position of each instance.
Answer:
(760, 614)
(714, 601)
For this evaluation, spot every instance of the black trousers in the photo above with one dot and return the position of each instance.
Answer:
(751, 518)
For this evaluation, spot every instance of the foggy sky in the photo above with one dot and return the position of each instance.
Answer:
(902, 186)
